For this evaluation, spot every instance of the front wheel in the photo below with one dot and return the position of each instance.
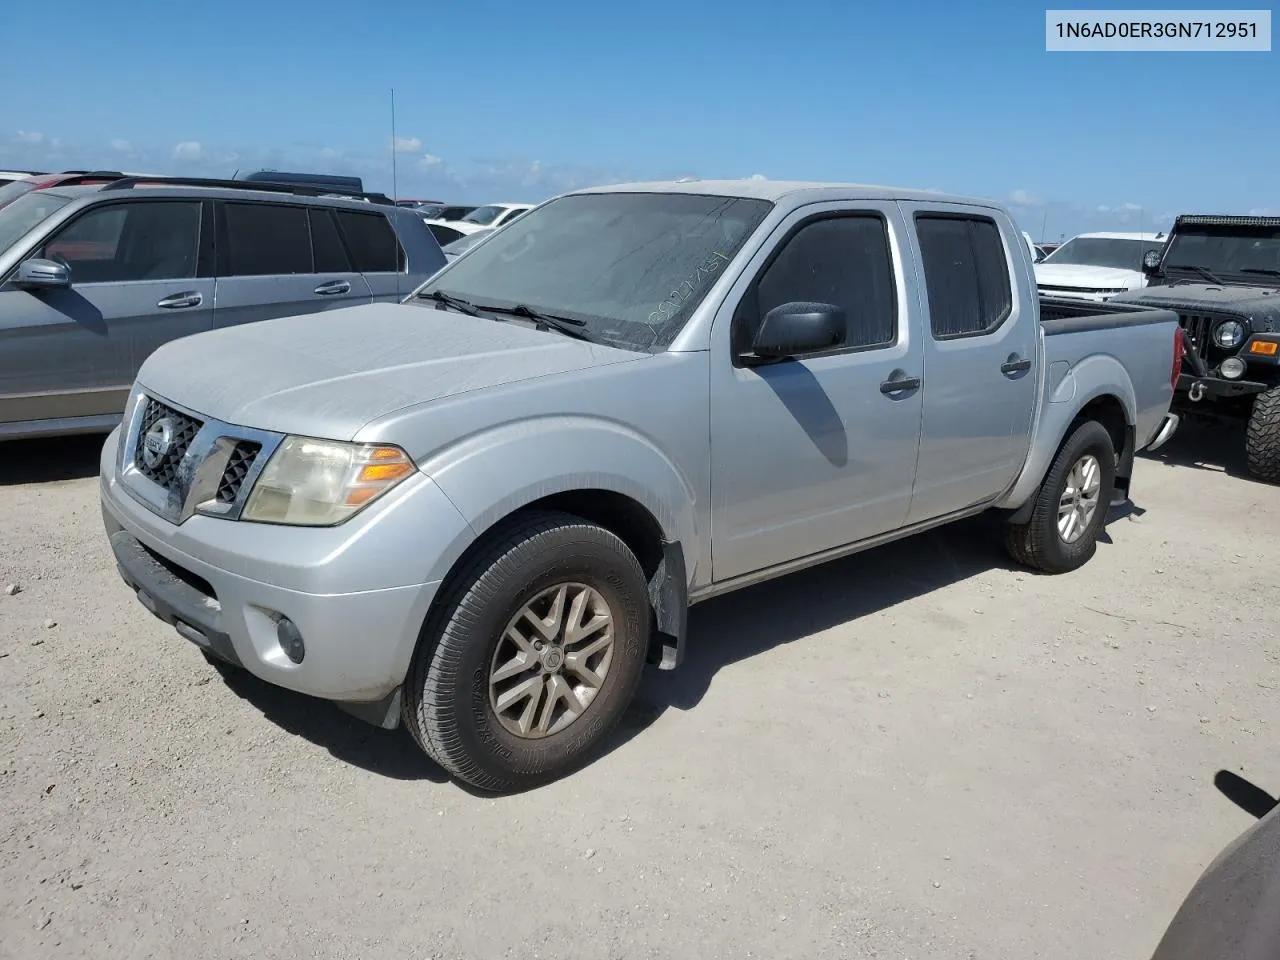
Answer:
(1262, 437)
(533, 655)
(1070, 506)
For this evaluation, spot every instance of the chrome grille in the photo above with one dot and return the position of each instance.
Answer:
(238, 467)
(165, 470)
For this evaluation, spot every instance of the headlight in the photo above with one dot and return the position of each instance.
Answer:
(319, 483)
(1229, 334)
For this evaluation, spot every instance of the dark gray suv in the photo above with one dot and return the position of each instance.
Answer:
(94, 278)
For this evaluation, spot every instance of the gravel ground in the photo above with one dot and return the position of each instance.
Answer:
(915, 753)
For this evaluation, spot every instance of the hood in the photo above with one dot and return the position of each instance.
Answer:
(328, 374)
(1084, 275)
(1259, 305)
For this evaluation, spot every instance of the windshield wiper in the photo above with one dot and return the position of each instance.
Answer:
(569, 326)
(449, 300)
(1265, 271)
(1194, 269)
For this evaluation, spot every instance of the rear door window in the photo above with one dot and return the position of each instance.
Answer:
(265, 239)
(330, 255)
(373, 244)
(966, 274)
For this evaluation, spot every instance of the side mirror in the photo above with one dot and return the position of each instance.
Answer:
(797, 328)
(1151, 262)
(36, 274)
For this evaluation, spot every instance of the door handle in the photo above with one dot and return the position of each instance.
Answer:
(333, 287)
(178, 301)
(899, 382)
(1015, 364)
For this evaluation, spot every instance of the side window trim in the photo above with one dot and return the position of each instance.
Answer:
(895, 270)
(969, 217)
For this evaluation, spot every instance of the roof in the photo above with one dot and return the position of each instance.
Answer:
(226, 193)
(1111, 235)
(775, 190)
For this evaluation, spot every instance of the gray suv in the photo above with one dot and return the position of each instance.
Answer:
(95, 278)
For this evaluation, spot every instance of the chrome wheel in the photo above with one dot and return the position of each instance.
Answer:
(1079, 500)
(552, 660)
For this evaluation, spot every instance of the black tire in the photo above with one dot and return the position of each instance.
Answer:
(446, 694)
(1262, 438)
(1037, 543)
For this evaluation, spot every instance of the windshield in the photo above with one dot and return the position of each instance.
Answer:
(484, 215)
(25, 213)
(1103, 252)
(632, 266)
(1225, 250)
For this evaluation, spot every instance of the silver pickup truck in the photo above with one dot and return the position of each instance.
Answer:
(482, 510)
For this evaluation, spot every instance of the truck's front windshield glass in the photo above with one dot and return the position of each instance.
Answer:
(25, 213)
(1116, 252)
(1246, 252)
(630, 266)
(484, 215)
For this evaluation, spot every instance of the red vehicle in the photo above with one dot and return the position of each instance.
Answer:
(66, 178)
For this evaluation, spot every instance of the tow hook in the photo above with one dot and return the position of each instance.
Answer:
(1196, 393)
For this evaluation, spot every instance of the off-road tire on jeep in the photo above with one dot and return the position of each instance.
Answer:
(1038, 543)
(1262, 437)
(446, 700)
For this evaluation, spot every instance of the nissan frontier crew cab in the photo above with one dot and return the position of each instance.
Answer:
(481, 511)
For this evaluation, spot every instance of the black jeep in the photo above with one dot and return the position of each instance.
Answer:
(1222, 277)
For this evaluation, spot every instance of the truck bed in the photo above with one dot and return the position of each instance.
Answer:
(1063, 315)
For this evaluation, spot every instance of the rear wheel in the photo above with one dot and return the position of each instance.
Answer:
(533, 655)
(1262, 437)
(1070, 506)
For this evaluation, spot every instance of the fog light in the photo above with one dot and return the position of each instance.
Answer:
(290, 639)
(1232, 368)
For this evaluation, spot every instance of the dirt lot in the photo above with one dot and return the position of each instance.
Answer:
(919, 752)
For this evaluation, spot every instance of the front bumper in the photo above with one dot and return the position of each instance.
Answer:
(224, 585)
(1189, 386)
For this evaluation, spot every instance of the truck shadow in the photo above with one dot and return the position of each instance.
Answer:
(755, 620)
(49, 459)
(388, 753)
(723, 631)
(1215, 447)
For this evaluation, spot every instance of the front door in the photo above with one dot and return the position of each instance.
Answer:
(980, 358)
(817, 452)
(68, 353)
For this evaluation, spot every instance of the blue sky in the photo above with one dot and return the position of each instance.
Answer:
(507, 101)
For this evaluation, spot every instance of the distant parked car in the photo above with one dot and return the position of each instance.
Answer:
(8, 176)
(321, 181)
(418, 204)
(11, 191)
(448, 213)
(464, 242)
(1097, 266)
(94, 278)
(490, 215)
(443, 233)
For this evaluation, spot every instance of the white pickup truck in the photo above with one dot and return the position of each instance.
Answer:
(479, 512)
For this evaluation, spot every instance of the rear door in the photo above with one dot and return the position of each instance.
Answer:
(280, 260)
(141, 275)
(376, 252)
(980, 356)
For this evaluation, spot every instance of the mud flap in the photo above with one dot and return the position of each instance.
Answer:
(669, 597)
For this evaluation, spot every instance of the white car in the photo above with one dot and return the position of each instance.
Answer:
(1096, 266)
(490, 215)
